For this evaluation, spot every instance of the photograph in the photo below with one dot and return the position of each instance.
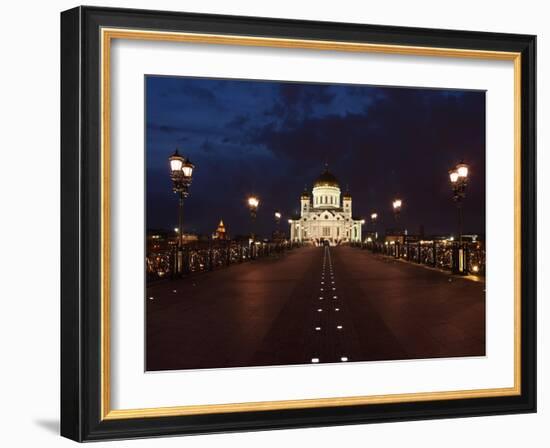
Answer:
(298, 223)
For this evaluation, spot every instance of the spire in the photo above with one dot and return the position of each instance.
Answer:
(220, 233)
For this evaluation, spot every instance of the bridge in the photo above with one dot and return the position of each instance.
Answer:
(313, 305)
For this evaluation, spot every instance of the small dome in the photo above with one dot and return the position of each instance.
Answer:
(305, 195)
(326, 179)
(347, 195)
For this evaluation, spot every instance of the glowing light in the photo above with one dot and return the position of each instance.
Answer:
(278, 215)
(453, 175)
(187, 169)
(317, 328)
(314, 360)
(253, 202)
(369, 239)
(475, 268)
(344, 358)
(397, 203)
(339, 327)
(176, 162)
(320, 310)
(176, 229)
(462, 170)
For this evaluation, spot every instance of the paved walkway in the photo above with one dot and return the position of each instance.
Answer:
(313, 305)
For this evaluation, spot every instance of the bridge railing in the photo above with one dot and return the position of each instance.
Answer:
(208, 256)
(465, 258)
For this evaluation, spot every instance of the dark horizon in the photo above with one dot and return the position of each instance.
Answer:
(273, 138)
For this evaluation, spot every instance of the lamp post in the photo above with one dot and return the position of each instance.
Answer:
(397, 203)
(181, 173)
(278, 215)
(253, 204)
(374, 218)
(458, 177)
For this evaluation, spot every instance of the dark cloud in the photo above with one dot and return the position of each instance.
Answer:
(272, 138)
(238, 121)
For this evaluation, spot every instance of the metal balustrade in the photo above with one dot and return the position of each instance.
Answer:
(465, 258)
(202, 257)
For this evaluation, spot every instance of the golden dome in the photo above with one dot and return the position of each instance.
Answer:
(326, 179)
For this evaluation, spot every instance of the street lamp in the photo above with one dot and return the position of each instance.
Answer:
(253, 204)
(374, 218)
(277, 234)
(181, 173)
(397, 203)
(458, 177)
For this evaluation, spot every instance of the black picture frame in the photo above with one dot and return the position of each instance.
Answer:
(81, 224)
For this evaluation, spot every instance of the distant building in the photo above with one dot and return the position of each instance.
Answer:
(325, 216)
(220, 233)
(162, 240)
(188, 238)
(157, 241)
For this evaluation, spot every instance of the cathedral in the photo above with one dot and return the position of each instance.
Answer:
(325, 215)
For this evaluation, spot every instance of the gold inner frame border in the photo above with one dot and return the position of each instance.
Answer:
(107, 36)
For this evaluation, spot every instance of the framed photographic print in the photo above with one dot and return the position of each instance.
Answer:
(274, 224)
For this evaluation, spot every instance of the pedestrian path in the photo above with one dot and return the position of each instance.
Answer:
(314, 305)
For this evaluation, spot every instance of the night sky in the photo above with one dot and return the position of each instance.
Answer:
(273, 139)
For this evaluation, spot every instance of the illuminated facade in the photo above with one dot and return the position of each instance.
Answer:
(326, 215)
